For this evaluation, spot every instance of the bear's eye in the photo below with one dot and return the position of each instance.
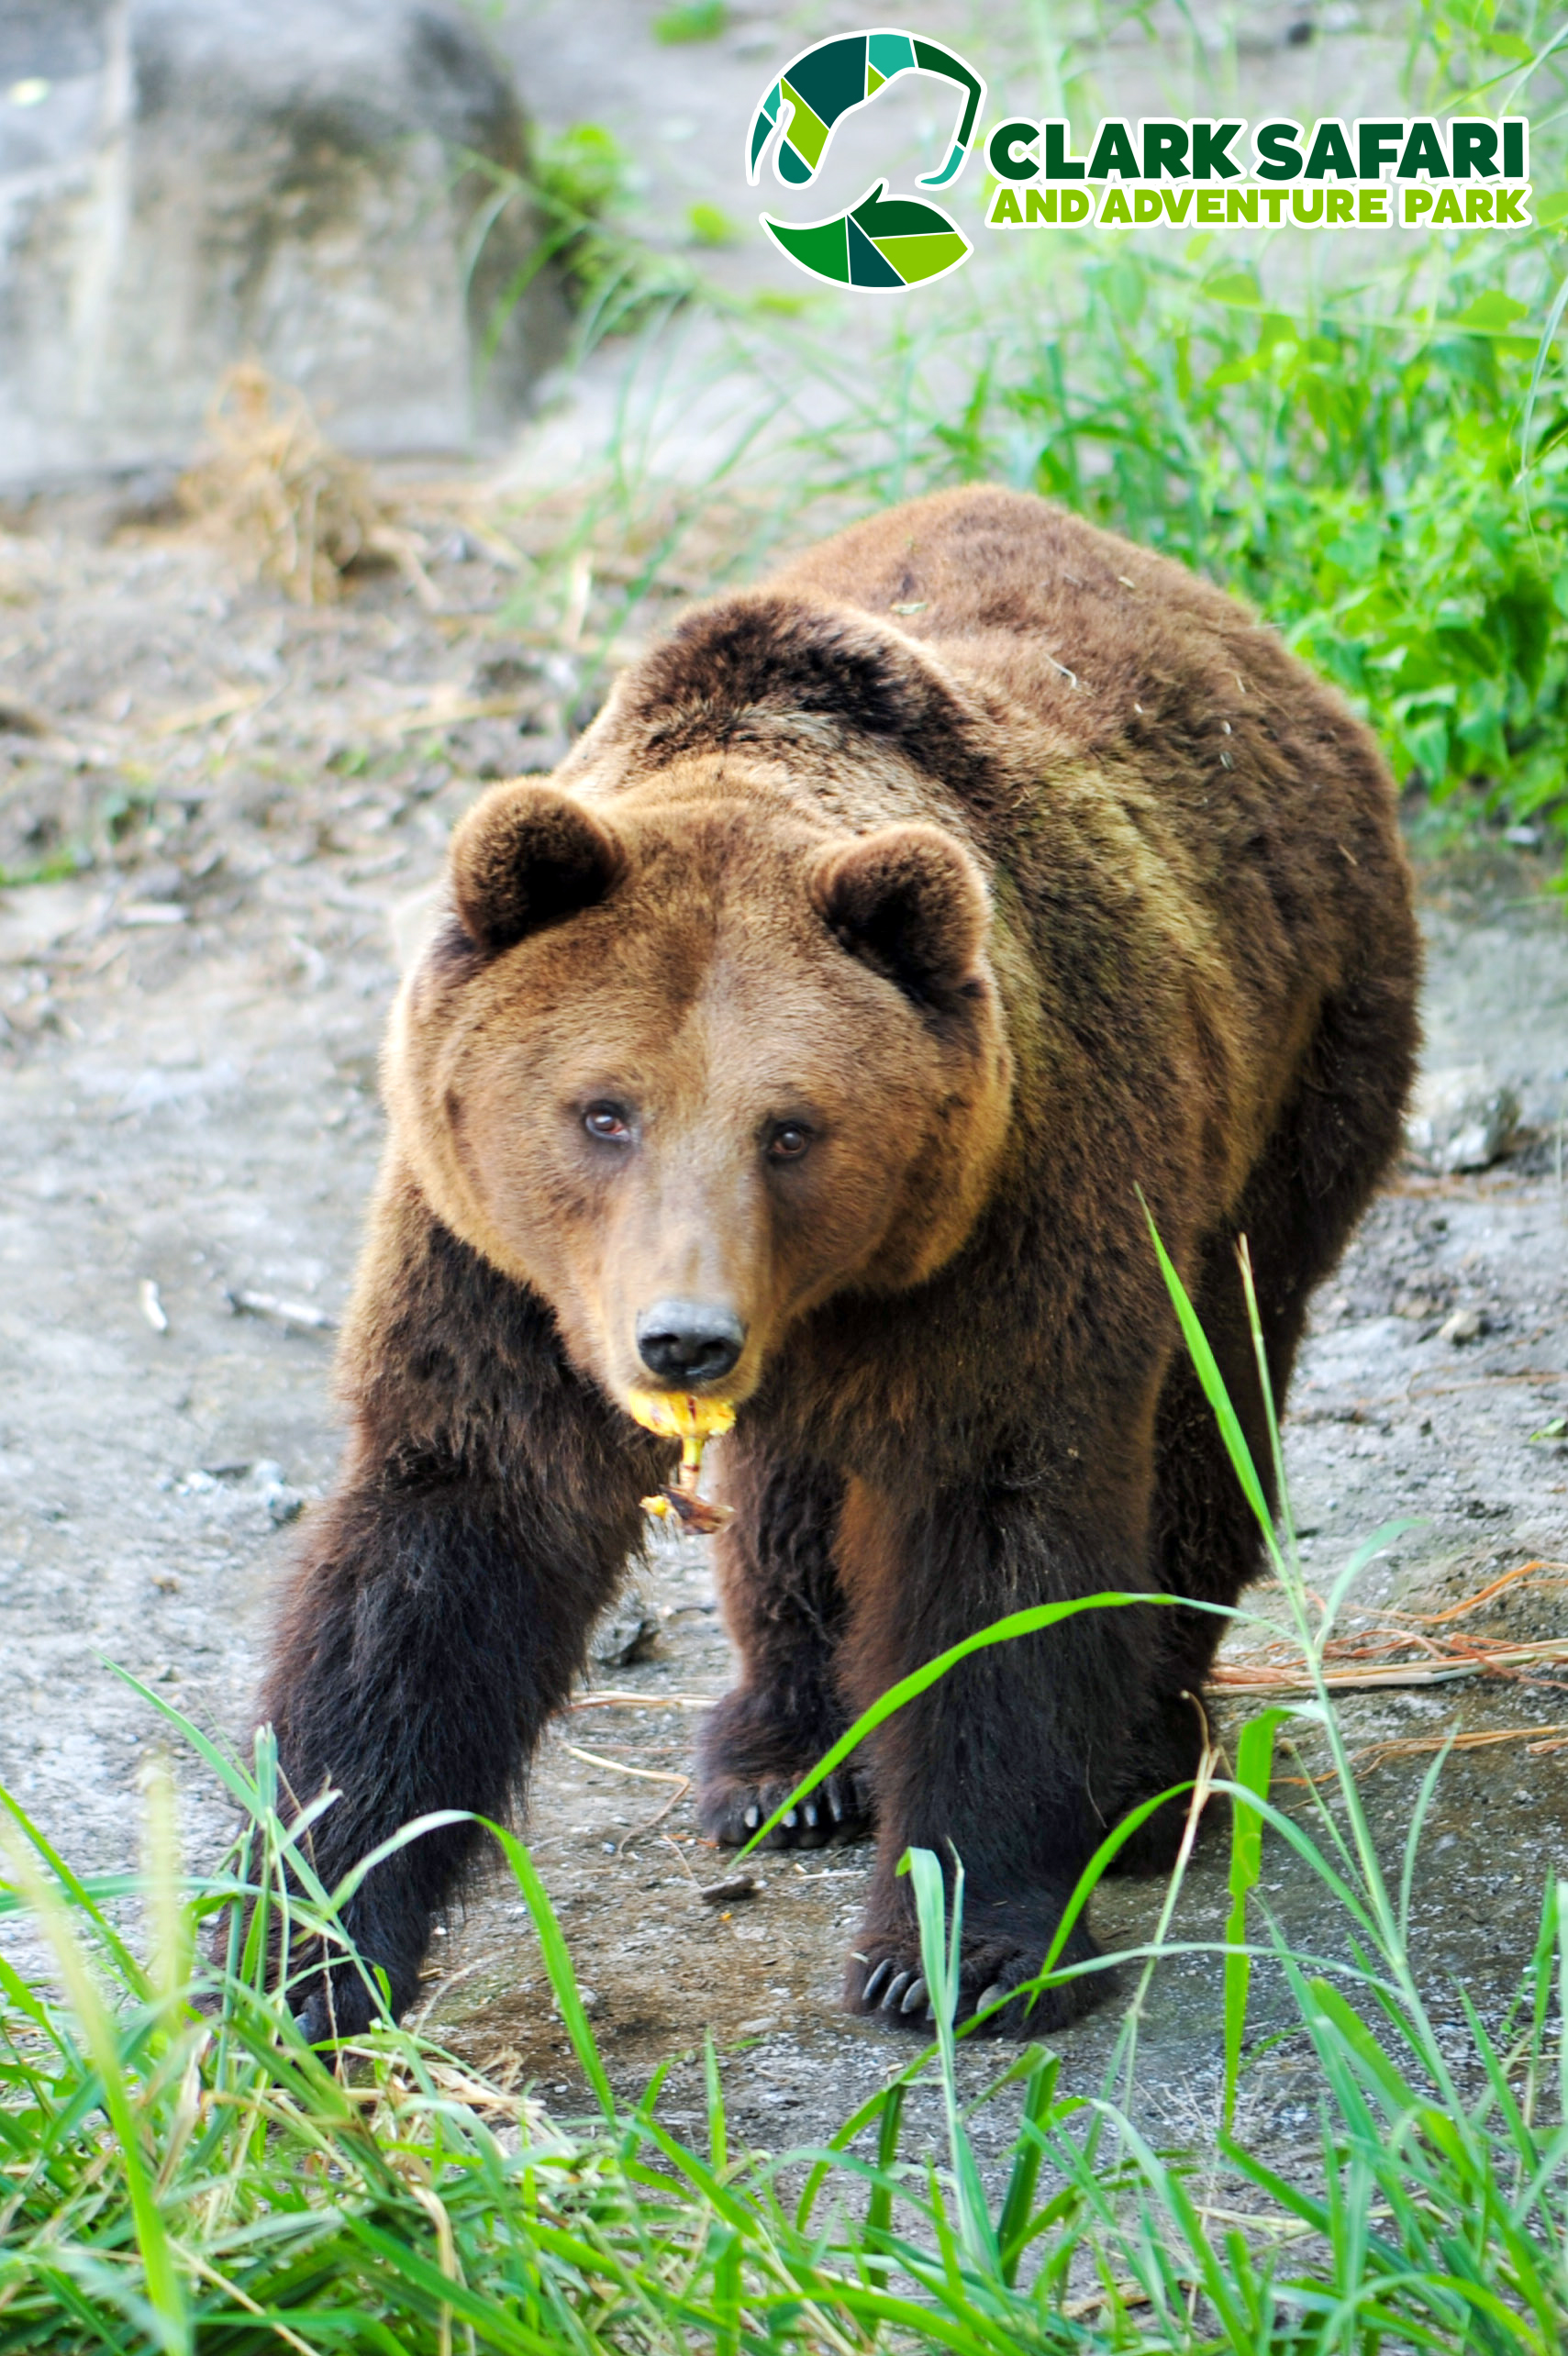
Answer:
(607, 1121)
(788, 1141)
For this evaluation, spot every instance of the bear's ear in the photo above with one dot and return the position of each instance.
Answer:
(910, 903)
(524, 857)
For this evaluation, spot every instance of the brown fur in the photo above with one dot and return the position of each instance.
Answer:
(1019, 871)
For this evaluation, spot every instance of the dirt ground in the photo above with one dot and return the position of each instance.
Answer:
(188, 1035)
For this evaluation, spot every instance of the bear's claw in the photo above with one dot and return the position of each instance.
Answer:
(838, 1809)
(995, 1972)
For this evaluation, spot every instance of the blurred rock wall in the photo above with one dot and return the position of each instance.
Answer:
(184, 183)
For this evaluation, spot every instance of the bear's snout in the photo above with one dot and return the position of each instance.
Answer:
(689, 1341)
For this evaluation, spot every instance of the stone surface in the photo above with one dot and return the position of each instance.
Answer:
(1462, 1120)
(185, 183)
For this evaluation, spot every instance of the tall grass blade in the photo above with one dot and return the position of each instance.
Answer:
(164, 2293)
(161, 1863)
(1254, 1768)
(879, 2207)
(557, 1964)
(940, 1959)
(1207, 1371)
(1029, 2149)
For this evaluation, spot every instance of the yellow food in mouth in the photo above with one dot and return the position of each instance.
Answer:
(680, 1415)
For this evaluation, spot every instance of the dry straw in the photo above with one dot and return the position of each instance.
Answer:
(292, 508)
(1402, 1648)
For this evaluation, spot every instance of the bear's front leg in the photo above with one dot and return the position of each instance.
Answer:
(441, 1610)
(1016, 1761)
(784, 1612)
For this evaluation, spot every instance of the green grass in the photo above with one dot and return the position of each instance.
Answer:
(1381, 469)
(583, 191)
(699, 20)
(59, 868)
(181, 2172)
(1373, 450)
(708, 225)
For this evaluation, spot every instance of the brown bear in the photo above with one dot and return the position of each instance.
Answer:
(806, 1042)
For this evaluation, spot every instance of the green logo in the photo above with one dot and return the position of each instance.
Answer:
(884, 240)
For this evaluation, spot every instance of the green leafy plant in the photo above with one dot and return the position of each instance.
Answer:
(709, 226)
(582, 186)
(1386, 480)
(1375, 454)
(698, 20)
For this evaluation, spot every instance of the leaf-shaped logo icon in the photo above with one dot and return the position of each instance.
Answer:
(884, 240)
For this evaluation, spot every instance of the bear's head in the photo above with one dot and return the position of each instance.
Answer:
(689, 1062)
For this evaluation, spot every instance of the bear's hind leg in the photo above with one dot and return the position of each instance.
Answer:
(784, 1612)
(1207, 1543)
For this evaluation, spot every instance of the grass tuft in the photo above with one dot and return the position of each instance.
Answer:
(183, 2173)
(1367, 438)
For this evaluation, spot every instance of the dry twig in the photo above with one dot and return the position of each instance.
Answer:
(612, 1694)
(619, 1767)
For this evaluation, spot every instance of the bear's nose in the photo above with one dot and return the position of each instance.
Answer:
(689, 1341)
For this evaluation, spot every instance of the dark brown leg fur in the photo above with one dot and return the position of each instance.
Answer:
(784, 1612)
(1021, 1757)
(996, 1761)
(441, 1606)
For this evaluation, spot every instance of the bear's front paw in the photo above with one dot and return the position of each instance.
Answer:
(886, 1982)
(731, 1808)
